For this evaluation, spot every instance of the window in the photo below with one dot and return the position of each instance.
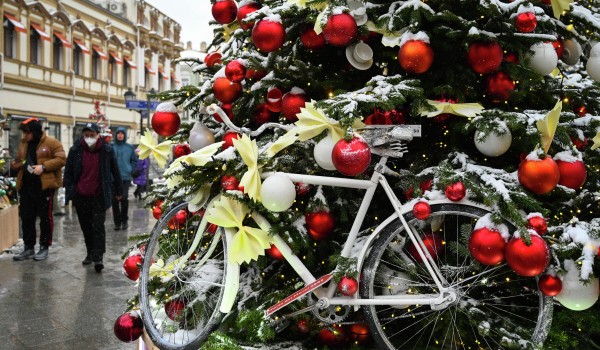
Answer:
(53, 130)
(95, 65)
(148, 72)
(57, 53)
(10, 39)
(161, 80)
(112, 70)
(77, 60)
(126, 72)
(35, 47)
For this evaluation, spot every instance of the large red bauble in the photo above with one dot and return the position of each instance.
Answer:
(347, 286)
(484, 56)
(332, 336)
(128, 327)
(165, 123)
(527, 261)
(572, 174)
(487, 246)
(421, 210)
(228, 139)
(539, 176)
(245, 11)
(550, 285)
(274, 253)
(291, 104)
(131, 267)
(174, 309)
(262, 114)
(181, 150)
(360, 333)
(235, 71)
(229, 182)
(433, 243)
(212, 59)
(415, 56)
(320, 224)
(500, 86)
(311, 40)
(352, 157)
(226, 91)
(224, 11)
(538, 224)
(268, 36)
(526, 22)
(340, 30)
(157, 212)
(456, 191)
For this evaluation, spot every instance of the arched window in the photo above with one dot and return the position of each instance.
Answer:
(10, 38)
(57, 54)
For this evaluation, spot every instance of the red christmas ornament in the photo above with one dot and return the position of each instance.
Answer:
(572, 174)
(511, 57)
(228, 139)
(212, 59)
(235, 71)
(226, 91)
(456, 191)
(332, 336)
(224, 11)
(274, 253)
(274, 96)
(340, 30)
(291, 104)
(174, 309)
(538, 224)
(484, 56)
(268, 36)
(539, 176)
(229, 182)
(351, 158)
(302, 189)
(579, 144)
(178, 220)
(421, 210)
(500, 86)
(550, 285)
(165, 123)
(262, 114)
(245, 11)
(157, 212)
(558, 47)
(347, 286)
(487, 246)
(311, 40)
(253, 74)
(360, 333)
(433, 243)
(426, 185)
(580, 111)
(128, 327)
(181, 150)
(527, 261)
(526, 22)
(131, 267)
(228, 109)
(320, 224)
(415, 56)
(158, 203)
(303, 327)
(379, 118)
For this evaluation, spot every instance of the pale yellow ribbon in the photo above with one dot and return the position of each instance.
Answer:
(560, 6)
(160, 151)
(468, 110)
(596, 140)
(198, 158)
(248, 242)
(547, 126)
(248, 150)
(165, 273)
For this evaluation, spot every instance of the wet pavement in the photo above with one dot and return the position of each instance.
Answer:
(60, 303)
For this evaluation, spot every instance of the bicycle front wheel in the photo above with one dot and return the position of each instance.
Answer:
(179, 300)
(495, 308)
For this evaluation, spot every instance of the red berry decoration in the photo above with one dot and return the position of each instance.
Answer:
(332, 336)
(433, 243)
(340, 30)
(228, 139)
(526, 22)
(268, 36)
(157, 212)
(538, 224)
(352, 157)
(572, 174)
(487, 246)
(128, 327)
(422, 210)
(262, 114)
(274, 253)
(320, 224)
(165, 120)
(181, 150)
(539, 176)
(212, 59)
(229, 183)
(235, 71)
(291, 103)
(456, 191)
(226, 91)
(245, 11)
(415, 56)
(174, 309)
(131, 267)
(311, 40)
(224, 11)
(360, 333)
(527, 261)
(347, 286)
(500, 86)
(484, 56)
(550, 285)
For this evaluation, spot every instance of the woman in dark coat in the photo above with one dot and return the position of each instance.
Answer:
(140, 175)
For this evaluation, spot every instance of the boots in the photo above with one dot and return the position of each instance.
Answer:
(42, 254)
(27, 253)
(124, 225)
(98, 265)
(87, 260)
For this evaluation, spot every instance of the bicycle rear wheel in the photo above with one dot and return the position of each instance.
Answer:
(180, 301)
(495, 308)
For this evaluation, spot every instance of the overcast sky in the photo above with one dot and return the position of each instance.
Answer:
(193, 15)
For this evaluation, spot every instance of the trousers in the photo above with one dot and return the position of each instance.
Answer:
(120, 207)
(34, 204)
(91, 214)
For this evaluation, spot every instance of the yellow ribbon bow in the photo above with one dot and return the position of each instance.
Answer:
(560, 6)
(248, 242)
(160, 151)
(596, 140)
(165, 273)
(547, 126)
(248, 150)
(468, 110)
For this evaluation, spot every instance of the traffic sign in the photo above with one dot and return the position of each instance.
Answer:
(141, 105)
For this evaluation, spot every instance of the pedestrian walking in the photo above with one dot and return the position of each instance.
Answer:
(139, 175)
(127, 161)
(91, 180)
(39, 161)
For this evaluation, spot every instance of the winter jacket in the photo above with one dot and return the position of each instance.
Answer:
(110, 177)
(142, 166)
(49, 153)
(125, 153)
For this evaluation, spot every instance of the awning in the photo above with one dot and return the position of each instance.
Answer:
(15, 22)
(161, 72)
(83, 48)
(115, 57)
(149, 69)
(63, 40)
(41, 32)
(173, 78)
(99, 52)
(129, 62)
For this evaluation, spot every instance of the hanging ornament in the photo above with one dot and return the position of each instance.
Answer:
(456, 191)
(181, 150)
(255, 74)
(571, 52)
(311, 40)
(575, 294)
(200, 137)
(499, 86)
(228, 139)
(212, 59)
(291, 104)
(302, 189)
(543, 60)
(360, 55)
(268, 35)
(493, 145)
(303, 327)
(593, 68)
(165, 120)
(322, 153)
(378, 118)
(226, 91)
(526, 22)
(262, 114)
(340, 30)
(334, 336)
(415, 56)
(157, 212)
(131, 267)
(351, 158)
(178, 220)
(550, 285)
(572, 173)
(581, 111)
(278, 192)
(536, 222)
(243, 12)
(486, 245)
(347, 286)
(421, 210)
(274, 96)
(224, 11)
(360, 334)
(174, 309)
(229, 183)
(433, 243)
(539, 176)
(484, 56)
(235, 71)
(358, 10)
(320, 224)
(558, 47)
(527, 260)
(128, 327)
(511, 57)
(274, 253)
(578, 143)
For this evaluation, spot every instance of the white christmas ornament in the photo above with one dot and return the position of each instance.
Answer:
(576, 295)
(543, 59)
(360, 55)
(593, 68)
(322, 153)
(358, 11)
(278, 192)
(493, 145)
(200, 137)
(594, 49)
(571, 52)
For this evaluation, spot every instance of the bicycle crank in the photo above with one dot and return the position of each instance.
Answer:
(282, 322)
(329, 313)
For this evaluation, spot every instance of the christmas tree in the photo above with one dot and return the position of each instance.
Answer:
(481, 115)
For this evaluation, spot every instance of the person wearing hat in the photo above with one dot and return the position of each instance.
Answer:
(39, 161)
(91, 180)
(127, 161)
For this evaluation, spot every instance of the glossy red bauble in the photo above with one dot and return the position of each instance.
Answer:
(526, 22)
(511, 57)
(268, 36)
(228, 109)
(352, 157)
(550, 285)
(180, 150)
(415, 56)
(487, 246)
(500, 86)
(224, 11)
(456, 191)
(245, 11)
(228, 139)
(484, 56)
(274, 253)
(226, 91)
(421, 210)
(157, 212)
(235, 71)
(578, 143)
(572, 174)
(538, 224)
(131, 267)
(340, 30)
(254, 74)
(558, 47)
(311, 40)
(178, 220)
(527, 261)
(165, 123)
(360, 334)
(433, 243)
(262, 114)
(174, 309)
(333, 336)
(539, 176)
(212, 59)
(229, 182)
(291, 104)
(347, 286)
(274, 96)
(128, 327)
(320, 224)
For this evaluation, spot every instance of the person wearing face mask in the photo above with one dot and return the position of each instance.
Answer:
(91, 180)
